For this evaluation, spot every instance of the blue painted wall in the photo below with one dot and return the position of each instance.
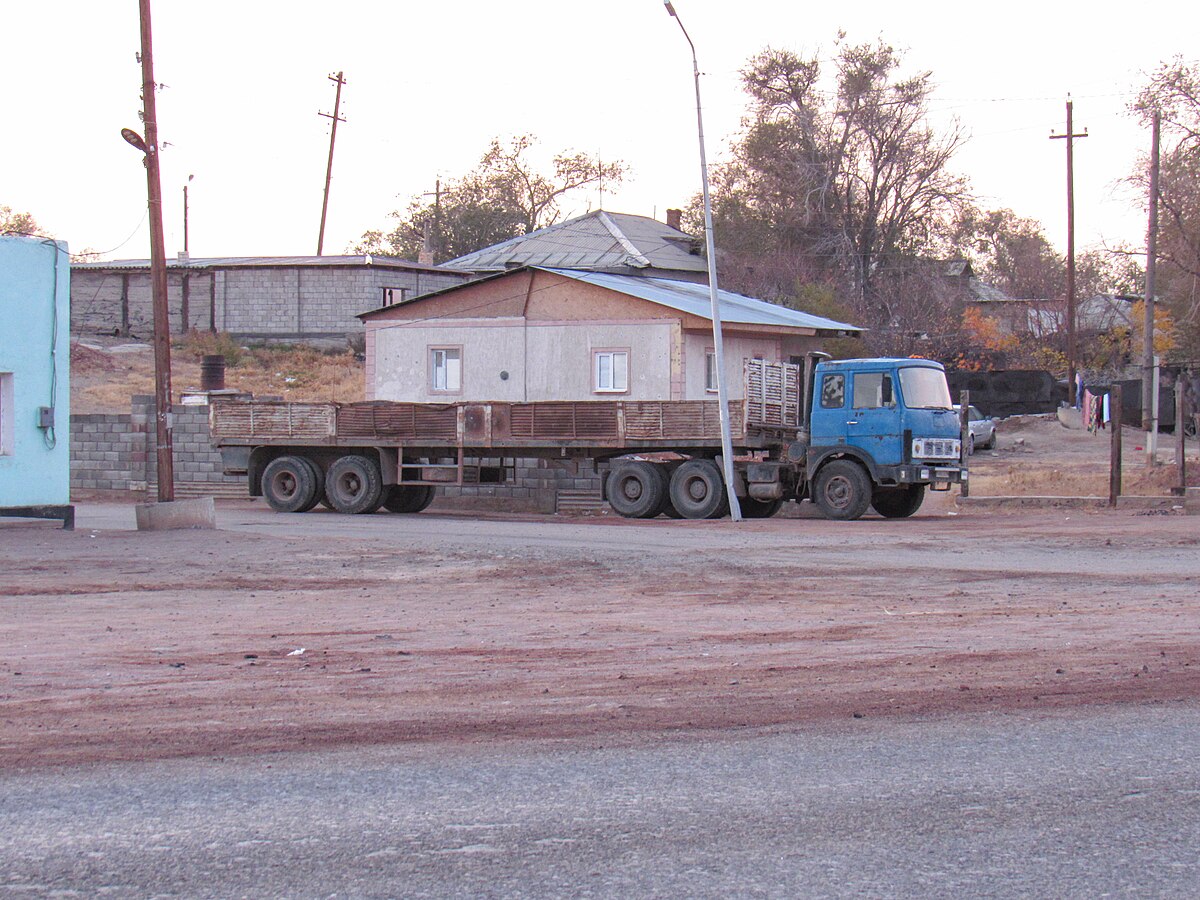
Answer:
(35, 356)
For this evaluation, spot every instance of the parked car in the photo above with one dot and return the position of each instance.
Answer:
(981, 428)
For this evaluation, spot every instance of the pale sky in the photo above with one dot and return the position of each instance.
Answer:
(429, 85)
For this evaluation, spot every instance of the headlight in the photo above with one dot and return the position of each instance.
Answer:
(936, 448)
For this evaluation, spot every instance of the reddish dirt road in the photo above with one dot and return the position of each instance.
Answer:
(121, 645)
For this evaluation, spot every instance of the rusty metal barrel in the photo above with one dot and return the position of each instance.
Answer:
(212, 373)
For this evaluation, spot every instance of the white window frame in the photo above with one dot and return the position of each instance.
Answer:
(710, 371)
(450, 377)
(615, 384)
(7, 407)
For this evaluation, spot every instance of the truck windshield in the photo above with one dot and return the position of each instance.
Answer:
(924, 388)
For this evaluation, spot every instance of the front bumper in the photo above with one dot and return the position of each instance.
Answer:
(936, 474)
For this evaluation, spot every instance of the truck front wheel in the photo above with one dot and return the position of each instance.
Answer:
(898, 502)
(698, 490)
(289, 484)
(842, 490)
(354, 484)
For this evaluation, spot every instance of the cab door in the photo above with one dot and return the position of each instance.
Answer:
(873, 422)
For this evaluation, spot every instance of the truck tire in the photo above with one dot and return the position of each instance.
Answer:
(354, 485)
(289, 484)
(759, 509)
(408, 498)
(842, 490)
(697, 490)
(898, 502)
(637, 490)
(319, 480)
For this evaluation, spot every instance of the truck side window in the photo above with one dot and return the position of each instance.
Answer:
(833, 391)
(872, 390)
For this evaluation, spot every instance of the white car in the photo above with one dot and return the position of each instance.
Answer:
(981, 430)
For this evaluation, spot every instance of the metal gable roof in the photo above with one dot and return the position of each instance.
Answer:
(695, 300)
(597, 240)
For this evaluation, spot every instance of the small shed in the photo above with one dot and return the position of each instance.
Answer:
(35, 356)
(537, 333)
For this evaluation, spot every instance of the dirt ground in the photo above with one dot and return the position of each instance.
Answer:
(126, 645)
(293, 633)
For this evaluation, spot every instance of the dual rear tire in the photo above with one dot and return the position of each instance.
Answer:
(352, 485)
(694, 490)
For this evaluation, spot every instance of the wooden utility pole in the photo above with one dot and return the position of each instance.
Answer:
(158, 271)
(337, 105)
(1149, 414)
(1114, 447)
(1071, 350)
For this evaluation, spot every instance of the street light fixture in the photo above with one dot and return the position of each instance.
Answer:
(735, 509)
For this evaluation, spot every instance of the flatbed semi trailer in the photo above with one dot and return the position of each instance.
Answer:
(791, 439)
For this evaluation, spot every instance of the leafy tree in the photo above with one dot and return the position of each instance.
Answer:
(1174, 90)
(18, 223)
(503, 197)
(844, 186)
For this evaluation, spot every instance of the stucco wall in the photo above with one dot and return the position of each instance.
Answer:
(544, 361)
(35, 358)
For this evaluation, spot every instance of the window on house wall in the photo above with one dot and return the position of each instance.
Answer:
(445, 369)
(710, 371)
(6, 413)
(611, 368)
(394, 295)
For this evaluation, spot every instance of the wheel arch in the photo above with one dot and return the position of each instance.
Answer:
(820, 460)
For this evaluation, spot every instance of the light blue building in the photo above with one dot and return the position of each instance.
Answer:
(35, 356)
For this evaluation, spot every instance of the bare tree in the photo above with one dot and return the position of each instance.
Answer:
(503, 197)
(854, 181)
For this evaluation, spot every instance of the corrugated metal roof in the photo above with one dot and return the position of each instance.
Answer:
(599, 240)
(695, 300)
(231, 262)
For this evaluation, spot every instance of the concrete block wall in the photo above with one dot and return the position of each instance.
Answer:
(116, 302)
(116, 452)
(284, 302)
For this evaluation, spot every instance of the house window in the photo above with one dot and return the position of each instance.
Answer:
(710, 371)
(394, 295)
(6, 413)
(611, 371)
(445, 370)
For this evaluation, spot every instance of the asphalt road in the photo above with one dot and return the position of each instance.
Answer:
(1093, 803)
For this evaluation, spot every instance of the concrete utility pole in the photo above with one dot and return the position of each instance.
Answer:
(335, 115)
(1070, 139)
(735, 509)
(1149, 366)
(158, 271)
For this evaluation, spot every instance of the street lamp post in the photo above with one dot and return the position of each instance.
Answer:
(735, 509)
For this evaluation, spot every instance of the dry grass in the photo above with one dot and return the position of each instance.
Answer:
(106, 372)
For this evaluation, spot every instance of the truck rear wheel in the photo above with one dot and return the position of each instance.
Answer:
(637, 489)
(842, 490)
(354, 484)
(898, 502)
(319, 479)
(698, 491)
(759, 509)
(408, 498)
(289, 484)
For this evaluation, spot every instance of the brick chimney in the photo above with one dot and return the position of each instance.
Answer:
(674, 219)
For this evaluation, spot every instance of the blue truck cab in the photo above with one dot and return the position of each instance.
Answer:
(880, 432)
